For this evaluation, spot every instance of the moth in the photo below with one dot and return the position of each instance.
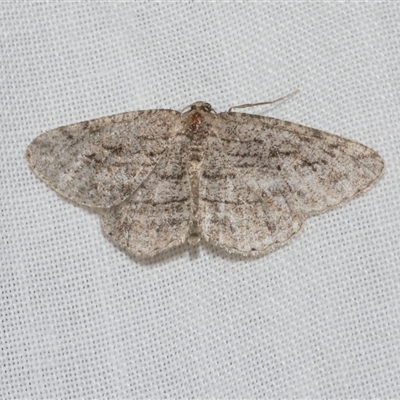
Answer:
(158, 178)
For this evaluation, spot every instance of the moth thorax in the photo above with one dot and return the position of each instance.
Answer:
(195, 121)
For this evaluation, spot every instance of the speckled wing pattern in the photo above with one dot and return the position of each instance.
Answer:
(160, 177)
(100, 163)
(157, 215)
(262, 177)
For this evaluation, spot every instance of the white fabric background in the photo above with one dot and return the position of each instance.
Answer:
(319, 318)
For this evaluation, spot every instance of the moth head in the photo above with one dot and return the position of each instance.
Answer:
(201, 106)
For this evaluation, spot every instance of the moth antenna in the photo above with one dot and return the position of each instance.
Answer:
(265, 102)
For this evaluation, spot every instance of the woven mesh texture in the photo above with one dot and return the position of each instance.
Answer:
(319, 318)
